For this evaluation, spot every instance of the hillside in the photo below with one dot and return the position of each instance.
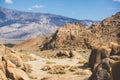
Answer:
(72, 36)
(76, 35)
(108, 30)
(23, 25)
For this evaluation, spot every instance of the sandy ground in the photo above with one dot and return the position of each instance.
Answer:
(41, 62)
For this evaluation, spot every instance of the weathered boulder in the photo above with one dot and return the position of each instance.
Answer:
(108, 69)
(115, 69)
(2, 75)
(68, 54)
(11, 65)
(17, 74)
(102, 71)
(63, 53)
(107, 66)
(115, 49)
(13, 72)
(115, 57)
(97, 55)
(2, 66)
(15, 59)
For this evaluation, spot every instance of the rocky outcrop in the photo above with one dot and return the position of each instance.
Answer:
(12, 67)
(108, 69)
(97, 55)
(70, 36)
(75, 35)
(14, 59)
(105, 63)
(108, 30)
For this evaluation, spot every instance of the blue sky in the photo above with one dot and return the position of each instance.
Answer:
(79, 9)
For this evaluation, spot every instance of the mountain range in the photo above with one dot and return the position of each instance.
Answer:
(16, 24)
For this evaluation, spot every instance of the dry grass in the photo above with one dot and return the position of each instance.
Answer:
(49, 62)
(82, 72)
(27, 57)
(56, 69)
(73, 68)
(28, 68)
(82, 61)
(46, 68)
(45, 78)
(32, 77)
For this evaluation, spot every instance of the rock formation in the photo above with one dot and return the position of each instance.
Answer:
(105, 63)
(70, 36)
(76, 35)
(12, 67)
(97, 55)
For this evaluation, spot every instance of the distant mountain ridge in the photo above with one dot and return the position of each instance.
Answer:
(23, 25)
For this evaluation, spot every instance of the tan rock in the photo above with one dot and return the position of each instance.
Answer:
(2, 75)
(97, 55)
(17, 74)
(15, 59)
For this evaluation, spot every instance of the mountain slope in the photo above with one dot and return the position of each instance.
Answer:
(109, 29)
(76, 35)
(23, 25)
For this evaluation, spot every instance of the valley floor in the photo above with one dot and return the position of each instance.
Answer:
(37, 73)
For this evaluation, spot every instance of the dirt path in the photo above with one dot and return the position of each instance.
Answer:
(41, 62)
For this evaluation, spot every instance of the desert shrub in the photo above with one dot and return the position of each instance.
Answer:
(48, 62)
(73, 68)
(26, 58)
(58, 69)
(82, 72)
(66, 66)
(32, 77)
(86, 64)
(46, 68)
(45, 78)
(21, 50)
(28, 68)
(82, 61)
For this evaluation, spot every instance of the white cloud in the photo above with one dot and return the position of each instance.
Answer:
(9, 1)
(36, 7)
(116, 0)
(30, 9)
(113, 8)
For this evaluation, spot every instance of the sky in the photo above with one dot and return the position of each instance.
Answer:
(78, 9)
